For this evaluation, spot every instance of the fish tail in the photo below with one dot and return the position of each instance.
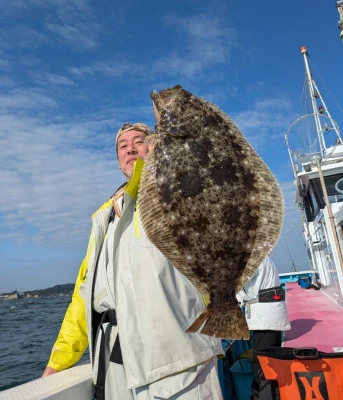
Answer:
(227, 325)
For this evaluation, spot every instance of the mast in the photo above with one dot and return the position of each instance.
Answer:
(313, 96)
(316, 96)
(339, 5)
(317, 161)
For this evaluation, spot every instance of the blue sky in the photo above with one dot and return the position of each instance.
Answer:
(73, 71)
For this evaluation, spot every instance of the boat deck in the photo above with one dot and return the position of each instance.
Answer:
(315, 318)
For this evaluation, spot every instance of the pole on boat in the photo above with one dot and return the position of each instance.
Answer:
(313, 96)
(318, 162)
(322, 109)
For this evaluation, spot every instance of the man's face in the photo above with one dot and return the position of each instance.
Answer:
(131, 146)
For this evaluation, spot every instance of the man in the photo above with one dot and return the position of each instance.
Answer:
(266, 312)
(132, 307)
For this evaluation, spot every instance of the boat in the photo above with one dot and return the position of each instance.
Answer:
(315, 149)
(74, 384)
(316, 153)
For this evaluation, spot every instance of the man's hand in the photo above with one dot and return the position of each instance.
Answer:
(49, 371)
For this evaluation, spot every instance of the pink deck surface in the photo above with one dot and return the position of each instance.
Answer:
(317, 321)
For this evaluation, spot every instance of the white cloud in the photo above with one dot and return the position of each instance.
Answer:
(74, 36)
(6, 82)
(273, 103)
(3, 63)
(266, 120)
(24, 99)
(206, 42)
(265, 113)
(52, 178)
(11, 7)
(111, 69)
(24, 36)
(54, 79)
(71, 22)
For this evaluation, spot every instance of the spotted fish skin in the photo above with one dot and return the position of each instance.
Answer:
(209, 203)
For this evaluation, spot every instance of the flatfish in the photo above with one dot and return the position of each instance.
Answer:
(209, 203)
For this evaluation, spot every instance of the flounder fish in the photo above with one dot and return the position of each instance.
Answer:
(209, 203)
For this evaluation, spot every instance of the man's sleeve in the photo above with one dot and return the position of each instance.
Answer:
(250, 289)
(72, 339)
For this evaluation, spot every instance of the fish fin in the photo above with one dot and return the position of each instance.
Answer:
(197, 324)
(229, 325)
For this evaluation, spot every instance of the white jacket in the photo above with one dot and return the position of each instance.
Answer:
(155, 303)
(263, 316)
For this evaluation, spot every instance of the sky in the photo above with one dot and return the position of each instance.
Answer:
(73, 71)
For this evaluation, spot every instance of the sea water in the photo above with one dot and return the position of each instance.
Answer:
(28, 330)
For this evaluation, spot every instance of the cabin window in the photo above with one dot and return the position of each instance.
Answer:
(314, 201)
(330, 183)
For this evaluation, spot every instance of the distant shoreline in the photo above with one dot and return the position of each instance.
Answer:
(57, 290)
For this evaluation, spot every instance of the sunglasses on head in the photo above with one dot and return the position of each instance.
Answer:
(138, 127)
(127, 125)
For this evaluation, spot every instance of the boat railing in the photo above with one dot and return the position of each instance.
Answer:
(294, 276)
